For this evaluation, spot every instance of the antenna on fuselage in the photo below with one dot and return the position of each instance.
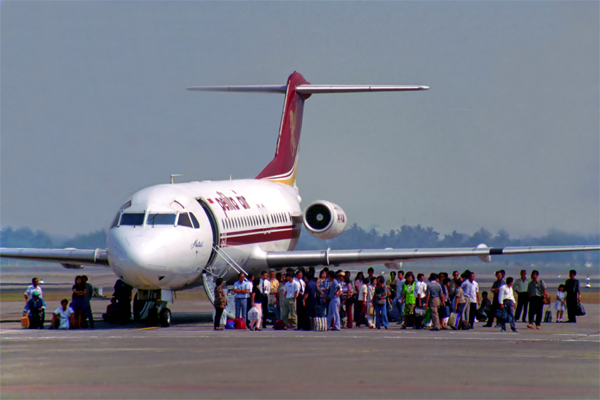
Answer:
(174, 175)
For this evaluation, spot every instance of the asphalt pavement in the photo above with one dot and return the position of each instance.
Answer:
(191, 360)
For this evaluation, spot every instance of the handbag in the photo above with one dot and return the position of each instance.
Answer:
(481, 316)
(501, 316)
(419, 312)
(580, 312)
(427, 318)
(253, 314)
(547, 299)
(25, 322)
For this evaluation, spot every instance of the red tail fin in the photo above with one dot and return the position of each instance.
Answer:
(282, 168)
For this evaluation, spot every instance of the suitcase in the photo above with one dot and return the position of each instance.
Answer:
(279, 325)
(318, 323)
(454, 320)
(240, 323)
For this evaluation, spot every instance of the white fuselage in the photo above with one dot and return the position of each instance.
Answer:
(155, 241)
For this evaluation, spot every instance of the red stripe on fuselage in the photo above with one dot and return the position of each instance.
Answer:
(259, 236)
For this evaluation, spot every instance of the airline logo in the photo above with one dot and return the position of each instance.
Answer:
(228, 204)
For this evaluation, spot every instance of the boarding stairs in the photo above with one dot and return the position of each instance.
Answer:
(210, 275)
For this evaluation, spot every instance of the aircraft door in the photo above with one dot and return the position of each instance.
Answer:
(215, 230)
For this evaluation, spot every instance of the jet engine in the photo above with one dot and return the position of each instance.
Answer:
(324, 220)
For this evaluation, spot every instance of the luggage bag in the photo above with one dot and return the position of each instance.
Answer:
(454, 320)
(240, 323)
(318, 323)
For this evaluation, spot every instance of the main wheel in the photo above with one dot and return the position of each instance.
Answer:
(165, 318)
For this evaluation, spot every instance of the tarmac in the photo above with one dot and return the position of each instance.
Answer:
(191, 360)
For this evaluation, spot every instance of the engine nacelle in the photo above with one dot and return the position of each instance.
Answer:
(324, 220)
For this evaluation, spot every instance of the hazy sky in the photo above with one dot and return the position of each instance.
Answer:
(94, 107)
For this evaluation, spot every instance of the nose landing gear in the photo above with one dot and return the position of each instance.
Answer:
(150, 308)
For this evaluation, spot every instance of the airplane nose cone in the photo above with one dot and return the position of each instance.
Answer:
(145, 252)
(136, 258)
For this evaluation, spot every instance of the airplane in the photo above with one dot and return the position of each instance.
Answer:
(176, 236)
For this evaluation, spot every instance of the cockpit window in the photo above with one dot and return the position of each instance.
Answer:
(160, 219)
(189, 220)
(194, 221)
(116, 220)
(184, 220)
(132, 219)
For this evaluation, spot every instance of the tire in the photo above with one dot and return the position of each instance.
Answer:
(165, 318)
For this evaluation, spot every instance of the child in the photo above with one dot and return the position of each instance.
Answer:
(559, 305)
(63, 316)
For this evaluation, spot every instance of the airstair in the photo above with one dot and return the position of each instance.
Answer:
(210, 275)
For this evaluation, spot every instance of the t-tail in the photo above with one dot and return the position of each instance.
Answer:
(284, 165)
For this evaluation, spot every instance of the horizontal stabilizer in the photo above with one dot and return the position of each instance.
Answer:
(307, 89)
(315, 89)
(242, 89)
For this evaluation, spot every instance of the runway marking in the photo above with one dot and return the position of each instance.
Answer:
(507, 337)
(147, 328)
(273, 387)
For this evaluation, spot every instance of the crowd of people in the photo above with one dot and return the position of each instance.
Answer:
(76, 315)
(299, 298)
(302, 299)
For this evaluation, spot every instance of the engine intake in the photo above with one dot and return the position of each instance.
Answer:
(324, 220)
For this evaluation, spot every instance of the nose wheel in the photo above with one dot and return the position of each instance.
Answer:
(165, 318)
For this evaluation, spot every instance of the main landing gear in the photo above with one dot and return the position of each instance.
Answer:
(149, 306)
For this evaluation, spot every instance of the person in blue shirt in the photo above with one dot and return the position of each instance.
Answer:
(242, 289)
(333, 299)
(36, 310)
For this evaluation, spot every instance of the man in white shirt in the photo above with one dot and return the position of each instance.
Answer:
(420, 289)
(62, 316)
(35, 285)
(265, 289)
(506, 298)
(520, 286)
(474, 298)
(291, 291)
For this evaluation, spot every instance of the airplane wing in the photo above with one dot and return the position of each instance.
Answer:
(69, 258)
(339, 257)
